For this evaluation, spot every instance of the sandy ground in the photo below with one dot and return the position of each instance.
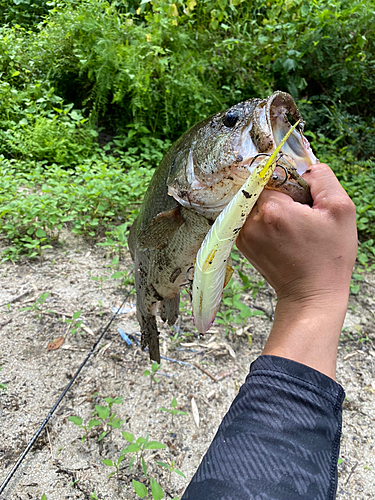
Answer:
(60, 465)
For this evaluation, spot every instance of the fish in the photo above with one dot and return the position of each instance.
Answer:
(197, 178)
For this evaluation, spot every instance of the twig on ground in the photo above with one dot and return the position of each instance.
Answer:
(206, 372)
(351, 473)
(49, 441)
(19, 297)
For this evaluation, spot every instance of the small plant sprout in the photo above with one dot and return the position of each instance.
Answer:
(173, 409)
(94, 496)
(171, 468)
(157, 492)
(108, 418)
(37, 305)
(78, 421)
(116, 465)
(138, 447)
(152, 374)
(105, 418)
(44, 497)
(75, 322)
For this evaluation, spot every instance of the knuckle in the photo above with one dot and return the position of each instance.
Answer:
(342, 206)
(270, 212)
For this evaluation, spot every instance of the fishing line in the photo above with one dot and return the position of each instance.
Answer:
(41, 428)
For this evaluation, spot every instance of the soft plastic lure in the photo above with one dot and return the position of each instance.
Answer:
(211, 262)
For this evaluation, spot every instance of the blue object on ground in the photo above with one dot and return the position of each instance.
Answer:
(124, 336)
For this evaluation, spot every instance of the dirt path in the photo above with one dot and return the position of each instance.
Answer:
(61, 466)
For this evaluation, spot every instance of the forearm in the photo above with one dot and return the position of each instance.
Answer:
(279, 440)
(308, 332)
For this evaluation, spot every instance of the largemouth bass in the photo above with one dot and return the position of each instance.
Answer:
(197, 178)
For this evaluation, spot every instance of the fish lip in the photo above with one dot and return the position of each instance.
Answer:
(297, 147)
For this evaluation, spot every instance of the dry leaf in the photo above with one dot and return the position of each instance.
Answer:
(195, 411)
(52, 346)
(229, 348)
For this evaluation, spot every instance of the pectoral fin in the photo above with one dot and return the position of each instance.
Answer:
(160, 229)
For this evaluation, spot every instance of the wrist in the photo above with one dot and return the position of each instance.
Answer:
(308, 331)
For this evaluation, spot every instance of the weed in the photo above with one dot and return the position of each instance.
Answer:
(234, 311)
(116, 465)
(156, 493)
(155, 367)
(78, 421)
(36, 307)
(173, 409)
(105, 419)
(171, 468)
(138, 447)
(75, 322)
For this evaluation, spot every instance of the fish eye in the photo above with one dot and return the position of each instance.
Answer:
(230, 119)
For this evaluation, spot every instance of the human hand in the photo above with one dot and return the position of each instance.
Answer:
(307, 255)
(302, 251)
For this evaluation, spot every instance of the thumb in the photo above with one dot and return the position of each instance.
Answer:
(324, 186)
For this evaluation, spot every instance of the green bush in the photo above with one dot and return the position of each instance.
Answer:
(133, 75)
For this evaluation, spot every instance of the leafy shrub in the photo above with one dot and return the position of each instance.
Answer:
(143, 72)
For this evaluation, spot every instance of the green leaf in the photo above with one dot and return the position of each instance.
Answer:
(163, 464)
(133, 447)
(44, 497)
(131, 462)
(174, 403)
(117, 275)
(76, 315)
(155, 366)
(179, 473)
(76, 420)
(40, 233)
(144, 467)
(116, 423)
(108, 462)
(93, 423)
(155, 445)
(139, 488)
(156, 490)
(102, 411)
(102, 436)
(128, 436)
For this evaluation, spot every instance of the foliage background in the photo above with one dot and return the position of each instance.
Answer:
(93, 92)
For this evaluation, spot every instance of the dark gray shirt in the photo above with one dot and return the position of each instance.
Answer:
(280, 439)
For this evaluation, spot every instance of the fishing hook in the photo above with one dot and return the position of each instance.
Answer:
(286, 174)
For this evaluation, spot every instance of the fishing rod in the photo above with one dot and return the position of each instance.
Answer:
(53, 409)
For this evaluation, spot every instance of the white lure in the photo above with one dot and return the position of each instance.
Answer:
(211, 262)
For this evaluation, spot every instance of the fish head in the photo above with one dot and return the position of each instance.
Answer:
(211, 161)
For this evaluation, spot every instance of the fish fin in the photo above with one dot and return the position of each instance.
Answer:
(160, 229)
(228, 274)
(150, 336)
(170, 309)
(132, 239)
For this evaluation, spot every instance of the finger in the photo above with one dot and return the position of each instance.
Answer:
(324, 185)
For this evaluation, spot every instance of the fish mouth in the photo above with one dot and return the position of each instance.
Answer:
(279, 107)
